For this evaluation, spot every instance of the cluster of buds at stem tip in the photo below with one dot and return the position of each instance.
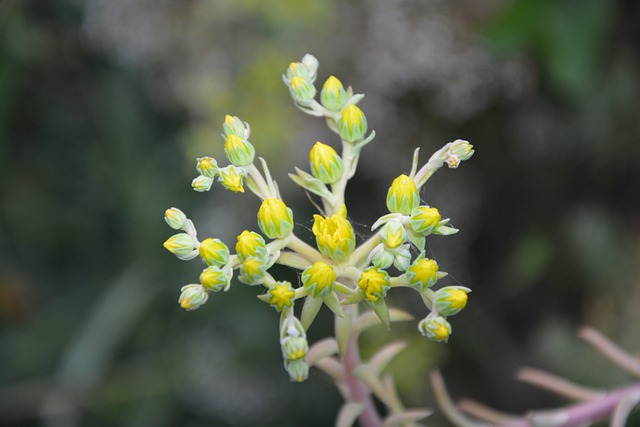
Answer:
(336, 272)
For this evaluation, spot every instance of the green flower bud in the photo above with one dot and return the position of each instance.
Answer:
(214, 252)
(295, 348)
(374, 284)
(239, 152)
(231, 178)
(319, 279)
(297, 69)
(250, 244)
(402, 258)
(393, 234)
(435, 327)
(302, 90)
(352, 124)
(175, 218)
(182, 245)
(234, 126)
(461, 149)
(202, 183)
(403, 195)
(325, 163)
(333, 96)
(311, 64)
(275, 219)
(207, 166)
(451, 300)
(424, 219)
(214, 279)
(252, 271)
(298, 370)
(192, 297)
(381, 257)
(422, 274)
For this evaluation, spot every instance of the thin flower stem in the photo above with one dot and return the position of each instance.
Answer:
(360, 255)
(611, 350)
(255, 174)
(358, 390)
(558, 385)
(305, 250)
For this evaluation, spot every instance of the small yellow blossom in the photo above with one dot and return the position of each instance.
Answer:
(424, 219)
(214, 279)
(352, 124)
(393, 234)
(451, 300)
(422, 273)
(374, 282)
(319, 279)
(281, 295)
(403, 195)
(435, 328)
(250, 244)
(252, 271)
(326, 165)
(207, 166)
(232, 178)
(214, 252)
(334, 235)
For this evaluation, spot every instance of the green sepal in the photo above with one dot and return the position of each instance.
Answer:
(382, 311)
(385, 219)
(321, 349)
(343, 289)
(333, 303)
(310, 310)
(349, 414)
(369, 319)
(312, 184)
(445, 230)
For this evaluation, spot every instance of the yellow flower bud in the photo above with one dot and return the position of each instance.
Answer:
(403, 195)
(352, 124)
(302, 90)
(252, 271)
(374, 283)
(239, 152)
(214, 279)
(231, 178)
(297, 69)
(295, 348)
(202, 183)
(435, 327)
(422, 274)
(250, 244)
(192, 297)
(214, 252)
(319, 279)
(182, 245)
(393, 234)
(175, 218)
(207, 166)
(280, 295)
(451, 300)
(275, 219)
(326, 165)
(333, 96)
(334, 235)
(234, 126)
(424, 219)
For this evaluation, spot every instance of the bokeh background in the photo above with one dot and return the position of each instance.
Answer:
(104, 105)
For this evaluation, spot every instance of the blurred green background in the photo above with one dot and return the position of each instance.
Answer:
(104, 106)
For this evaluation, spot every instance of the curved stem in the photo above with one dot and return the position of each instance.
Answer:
(309, 252)
(358, 390)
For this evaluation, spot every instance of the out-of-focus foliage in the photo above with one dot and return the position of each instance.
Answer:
(104, 106)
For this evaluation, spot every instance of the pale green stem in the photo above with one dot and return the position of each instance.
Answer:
(362, 252)
(350, 163)
(358, 390)
(255, 174)
(293, 260)
(305, 250)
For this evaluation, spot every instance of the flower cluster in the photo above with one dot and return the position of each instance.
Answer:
(338, 272)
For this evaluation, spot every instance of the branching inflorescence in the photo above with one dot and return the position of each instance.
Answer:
(338, 272)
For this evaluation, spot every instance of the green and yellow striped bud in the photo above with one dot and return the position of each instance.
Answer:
(182, 245)
(234, 126)
(319, 279)
(393, 234)
(424, 219)
(202, 183)
(207, 166)
(175, 218)
(352, 124)
(214, 279)
(403, 195)
(252, 271)
(297, 69)
(250, 244)
(298, 370)
(192, 297)
(275, 219)
(231, 178)
(333, 96)
(461, 149)
(295, 348)
(422, 274)
(374, 283)
(435, 327)
(334, 235)
(451, 300)
(326, 164)
(302, 90)
(239, 151)
(214, 252)
(280, 295)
